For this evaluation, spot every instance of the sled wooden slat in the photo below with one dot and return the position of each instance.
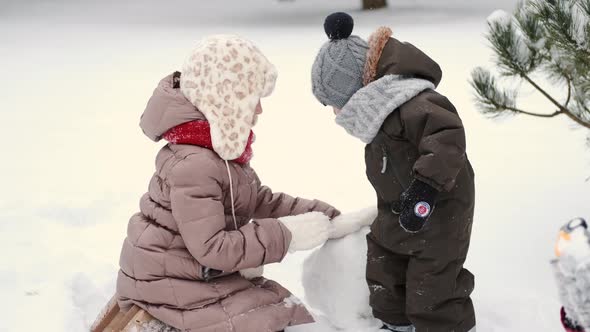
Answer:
(140, 318)
(106, 316)
(112, 319)
(125, 318)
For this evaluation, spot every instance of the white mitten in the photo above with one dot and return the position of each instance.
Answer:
(308, 230)
(252, 273)
(352, 222)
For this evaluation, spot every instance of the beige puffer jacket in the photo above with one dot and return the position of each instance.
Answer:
(182, 252)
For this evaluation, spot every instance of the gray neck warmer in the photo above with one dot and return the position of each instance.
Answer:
(368, 108)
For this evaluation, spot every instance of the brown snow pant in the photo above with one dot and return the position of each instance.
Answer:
(419, 278)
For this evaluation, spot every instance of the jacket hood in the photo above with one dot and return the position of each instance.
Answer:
(166, 109)
(389, 56)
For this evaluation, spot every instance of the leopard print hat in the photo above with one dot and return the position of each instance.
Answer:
(225, 76)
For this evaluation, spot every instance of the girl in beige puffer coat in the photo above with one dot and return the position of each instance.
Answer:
(192, 255)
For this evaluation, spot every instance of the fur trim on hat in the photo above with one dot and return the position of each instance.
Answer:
(224, 77)
(377, 42)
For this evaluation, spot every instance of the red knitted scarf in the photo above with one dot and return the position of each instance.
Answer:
(199, 133)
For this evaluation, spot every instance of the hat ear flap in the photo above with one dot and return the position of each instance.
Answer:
(270, 79)
(231, 130)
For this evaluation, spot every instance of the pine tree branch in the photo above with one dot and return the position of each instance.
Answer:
(542, 91)
(493, 100)
(561, 109)
(539, 115)
(551, 35)
(569, 91)
(577, 120)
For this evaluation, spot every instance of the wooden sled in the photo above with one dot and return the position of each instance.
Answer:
(112, 319)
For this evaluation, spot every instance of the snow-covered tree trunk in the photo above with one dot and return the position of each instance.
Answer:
(374, 4)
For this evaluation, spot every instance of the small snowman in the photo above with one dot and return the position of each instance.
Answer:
(572, 271)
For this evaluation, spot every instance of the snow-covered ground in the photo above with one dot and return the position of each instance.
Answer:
(77, 75)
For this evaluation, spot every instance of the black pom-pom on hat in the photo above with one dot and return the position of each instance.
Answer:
(338, 26)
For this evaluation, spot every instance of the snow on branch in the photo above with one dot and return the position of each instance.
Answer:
(547, 37)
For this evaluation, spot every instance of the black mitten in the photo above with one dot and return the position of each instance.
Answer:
(416, 206)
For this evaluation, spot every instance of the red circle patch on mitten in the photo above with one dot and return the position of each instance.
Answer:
(422, 209)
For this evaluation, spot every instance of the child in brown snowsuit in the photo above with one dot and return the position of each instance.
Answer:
(383, 92)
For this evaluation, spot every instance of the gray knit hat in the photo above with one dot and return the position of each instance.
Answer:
(337, 72)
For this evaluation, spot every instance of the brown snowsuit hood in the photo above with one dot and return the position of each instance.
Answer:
(389, 56)
(182, 252)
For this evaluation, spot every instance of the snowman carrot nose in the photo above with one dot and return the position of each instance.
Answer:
(563, 236)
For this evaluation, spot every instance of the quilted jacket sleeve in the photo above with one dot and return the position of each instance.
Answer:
(277, 205)
(196, 200)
